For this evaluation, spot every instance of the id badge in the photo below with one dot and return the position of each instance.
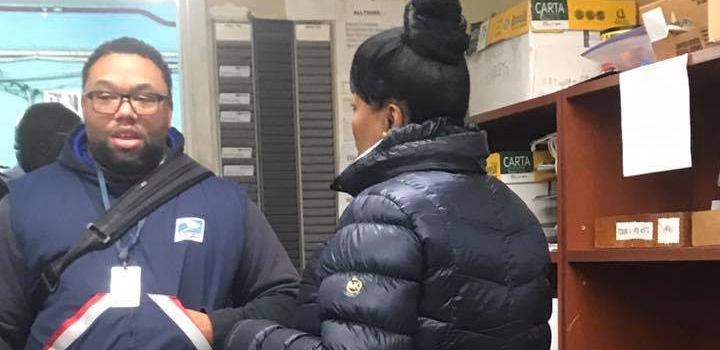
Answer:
(125, 286)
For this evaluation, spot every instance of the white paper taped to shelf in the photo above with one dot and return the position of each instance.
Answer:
(312, 32)
(235, 71)
(626, 231)
(669, 230)
(233, 31)
(239, 170)
(227, 98)
(655, 24)
(235, 116)
(237, 152)
(655, 103)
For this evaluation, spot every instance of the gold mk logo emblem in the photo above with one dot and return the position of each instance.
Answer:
(353, 288)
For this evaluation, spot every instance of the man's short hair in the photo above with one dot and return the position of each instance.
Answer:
(129, 46)
(40, 134)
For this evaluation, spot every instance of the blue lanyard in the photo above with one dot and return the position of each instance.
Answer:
(123, 250)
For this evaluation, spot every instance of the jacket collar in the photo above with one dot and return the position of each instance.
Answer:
(433, 145)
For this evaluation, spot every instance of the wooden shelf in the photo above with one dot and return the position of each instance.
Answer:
(518, 108)
(695, 59)
(645, 254)
(606, 292)
(605, 83)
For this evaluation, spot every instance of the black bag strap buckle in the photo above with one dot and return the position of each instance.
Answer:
(104, 238)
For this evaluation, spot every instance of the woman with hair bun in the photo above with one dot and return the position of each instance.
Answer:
(432, 253)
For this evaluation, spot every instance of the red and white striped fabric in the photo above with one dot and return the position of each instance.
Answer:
(75, 326)
(174, 309)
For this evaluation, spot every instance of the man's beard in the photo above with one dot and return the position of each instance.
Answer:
(129, 165)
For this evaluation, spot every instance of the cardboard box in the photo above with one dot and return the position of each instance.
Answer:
(557, 16)
(643, 230)
(534, 49)
(706, 228)
(544, 210)
(528, 66)
(696, 23)
(519, 170)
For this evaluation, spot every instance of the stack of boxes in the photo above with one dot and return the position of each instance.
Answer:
(534, 48)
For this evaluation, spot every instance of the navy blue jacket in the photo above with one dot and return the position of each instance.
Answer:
(237, 270)
(432, 254)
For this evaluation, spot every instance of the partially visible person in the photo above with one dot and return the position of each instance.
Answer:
(39, 137)
(432, 254)
(3, 188)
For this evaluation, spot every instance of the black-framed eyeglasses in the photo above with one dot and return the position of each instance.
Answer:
(142, 103)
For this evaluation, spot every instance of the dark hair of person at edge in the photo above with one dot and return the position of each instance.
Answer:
(40, 134)
(420, 66)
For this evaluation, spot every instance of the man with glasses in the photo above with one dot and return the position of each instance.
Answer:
(180, 278)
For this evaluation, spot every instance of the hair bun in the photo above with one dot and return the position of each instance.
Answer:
(436, 29)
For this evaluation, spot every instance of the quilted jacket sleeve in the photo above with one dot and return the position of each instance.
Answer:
(362, 288)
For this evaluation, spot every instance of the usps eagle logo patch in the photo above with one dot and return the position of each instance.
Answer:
(189, 229)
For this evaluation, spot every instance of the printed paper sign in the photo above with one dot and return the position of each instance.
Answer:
(234, 98)
(237, 152)
(239, 170)
(235, 71)
(312, 32)
(71, 99)
(627, 231)
(669, 231)
(233, 32)
(235, 116)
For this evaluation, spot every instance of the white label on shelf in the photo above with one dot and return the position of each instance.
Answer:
(239, 170)
(235, 71)
(626, 231)
(517, 177)
(550, 25)
(235, 116)
(669, 231)
(234, 98)
(233, 31)
(312, 32)
(237, 152)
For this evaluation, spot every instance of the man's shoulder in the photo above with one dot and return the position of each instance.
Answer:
(222, 187)
(50, 171)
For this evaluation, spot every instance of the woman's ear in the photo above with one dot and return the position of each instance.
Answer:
(396, 115)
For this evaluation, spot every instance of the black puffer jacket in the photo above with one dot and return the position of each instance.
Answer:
(432, 254)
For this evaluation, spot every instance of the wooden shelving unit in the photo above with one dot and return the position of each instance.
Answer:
(625, 299)
(644, 254)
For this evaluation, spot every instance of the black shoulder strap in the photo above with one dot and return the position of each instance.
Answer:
(162, 184)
